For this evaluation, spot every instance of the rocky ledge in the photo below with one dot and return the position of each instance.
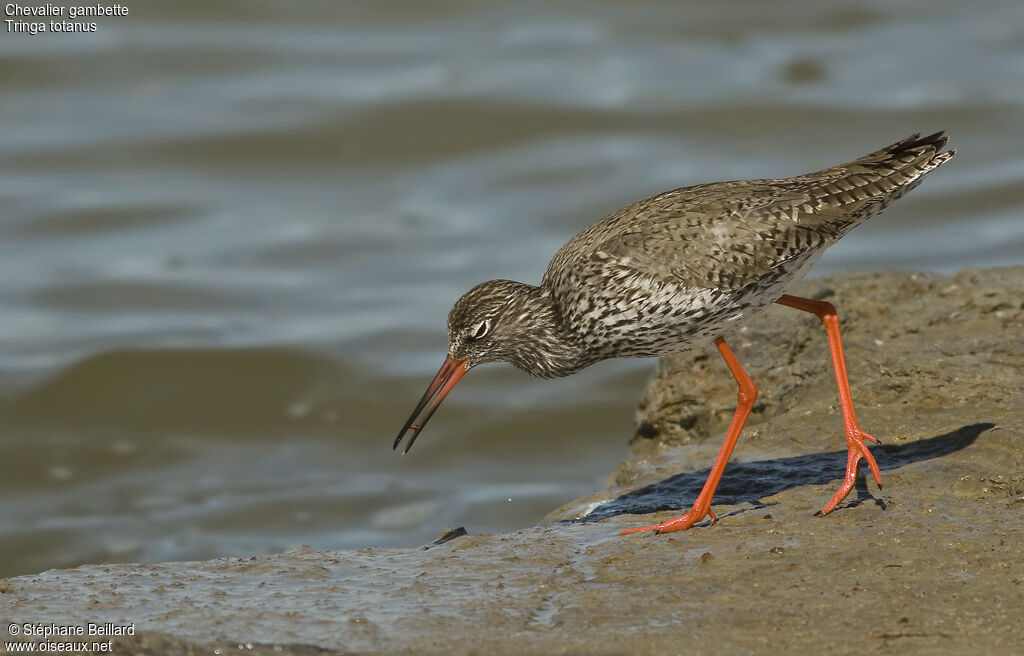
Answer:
(931, 563)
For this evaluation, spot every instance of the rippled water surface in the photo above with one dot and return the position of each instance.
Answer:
(231, 232)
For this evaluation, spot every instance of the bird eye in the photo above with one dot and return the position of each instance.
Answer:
(481, 329)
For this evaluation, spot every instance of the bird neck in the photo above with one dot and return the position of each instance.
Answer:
(546, 347)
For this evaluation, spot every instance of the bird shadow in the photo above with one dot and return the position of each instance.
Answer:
(749, 482)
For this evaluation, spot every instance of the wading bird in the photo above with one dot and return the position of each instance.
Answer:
(680, 270)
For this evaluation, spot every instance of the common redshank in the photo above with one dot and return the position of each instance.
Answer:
(680, 270)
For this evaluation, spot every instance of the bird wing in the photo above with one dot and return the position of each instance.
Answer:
(725, 235)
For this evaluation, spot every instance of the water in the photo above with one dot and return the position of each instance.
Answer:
(231, 234)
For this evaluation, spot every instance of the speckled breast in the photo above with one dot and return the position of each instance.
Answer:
(626, 314)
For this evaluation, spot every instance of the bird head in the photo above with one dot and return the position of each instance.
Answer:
(487, 324)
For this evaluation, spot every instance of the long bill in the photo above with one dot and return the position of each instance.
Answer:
(449, 374)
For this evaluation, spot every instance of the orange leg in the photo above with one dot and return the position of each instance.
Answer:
(702, 506)
(854, 435)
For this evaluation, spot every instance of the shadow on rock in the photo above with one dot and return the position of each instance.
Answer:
(748, 482)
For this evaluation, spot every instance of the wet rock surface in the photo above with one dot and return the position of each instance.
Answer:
(932, 563)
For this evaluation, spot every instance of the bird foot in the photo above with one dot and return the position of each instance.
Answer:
(856, 450)
(678, 524)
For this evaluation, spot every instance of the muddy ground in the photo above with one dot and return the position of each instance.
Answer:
(932, 563)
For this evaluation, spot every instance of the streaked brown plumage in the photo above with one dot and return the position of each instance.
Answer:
(679, 270)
